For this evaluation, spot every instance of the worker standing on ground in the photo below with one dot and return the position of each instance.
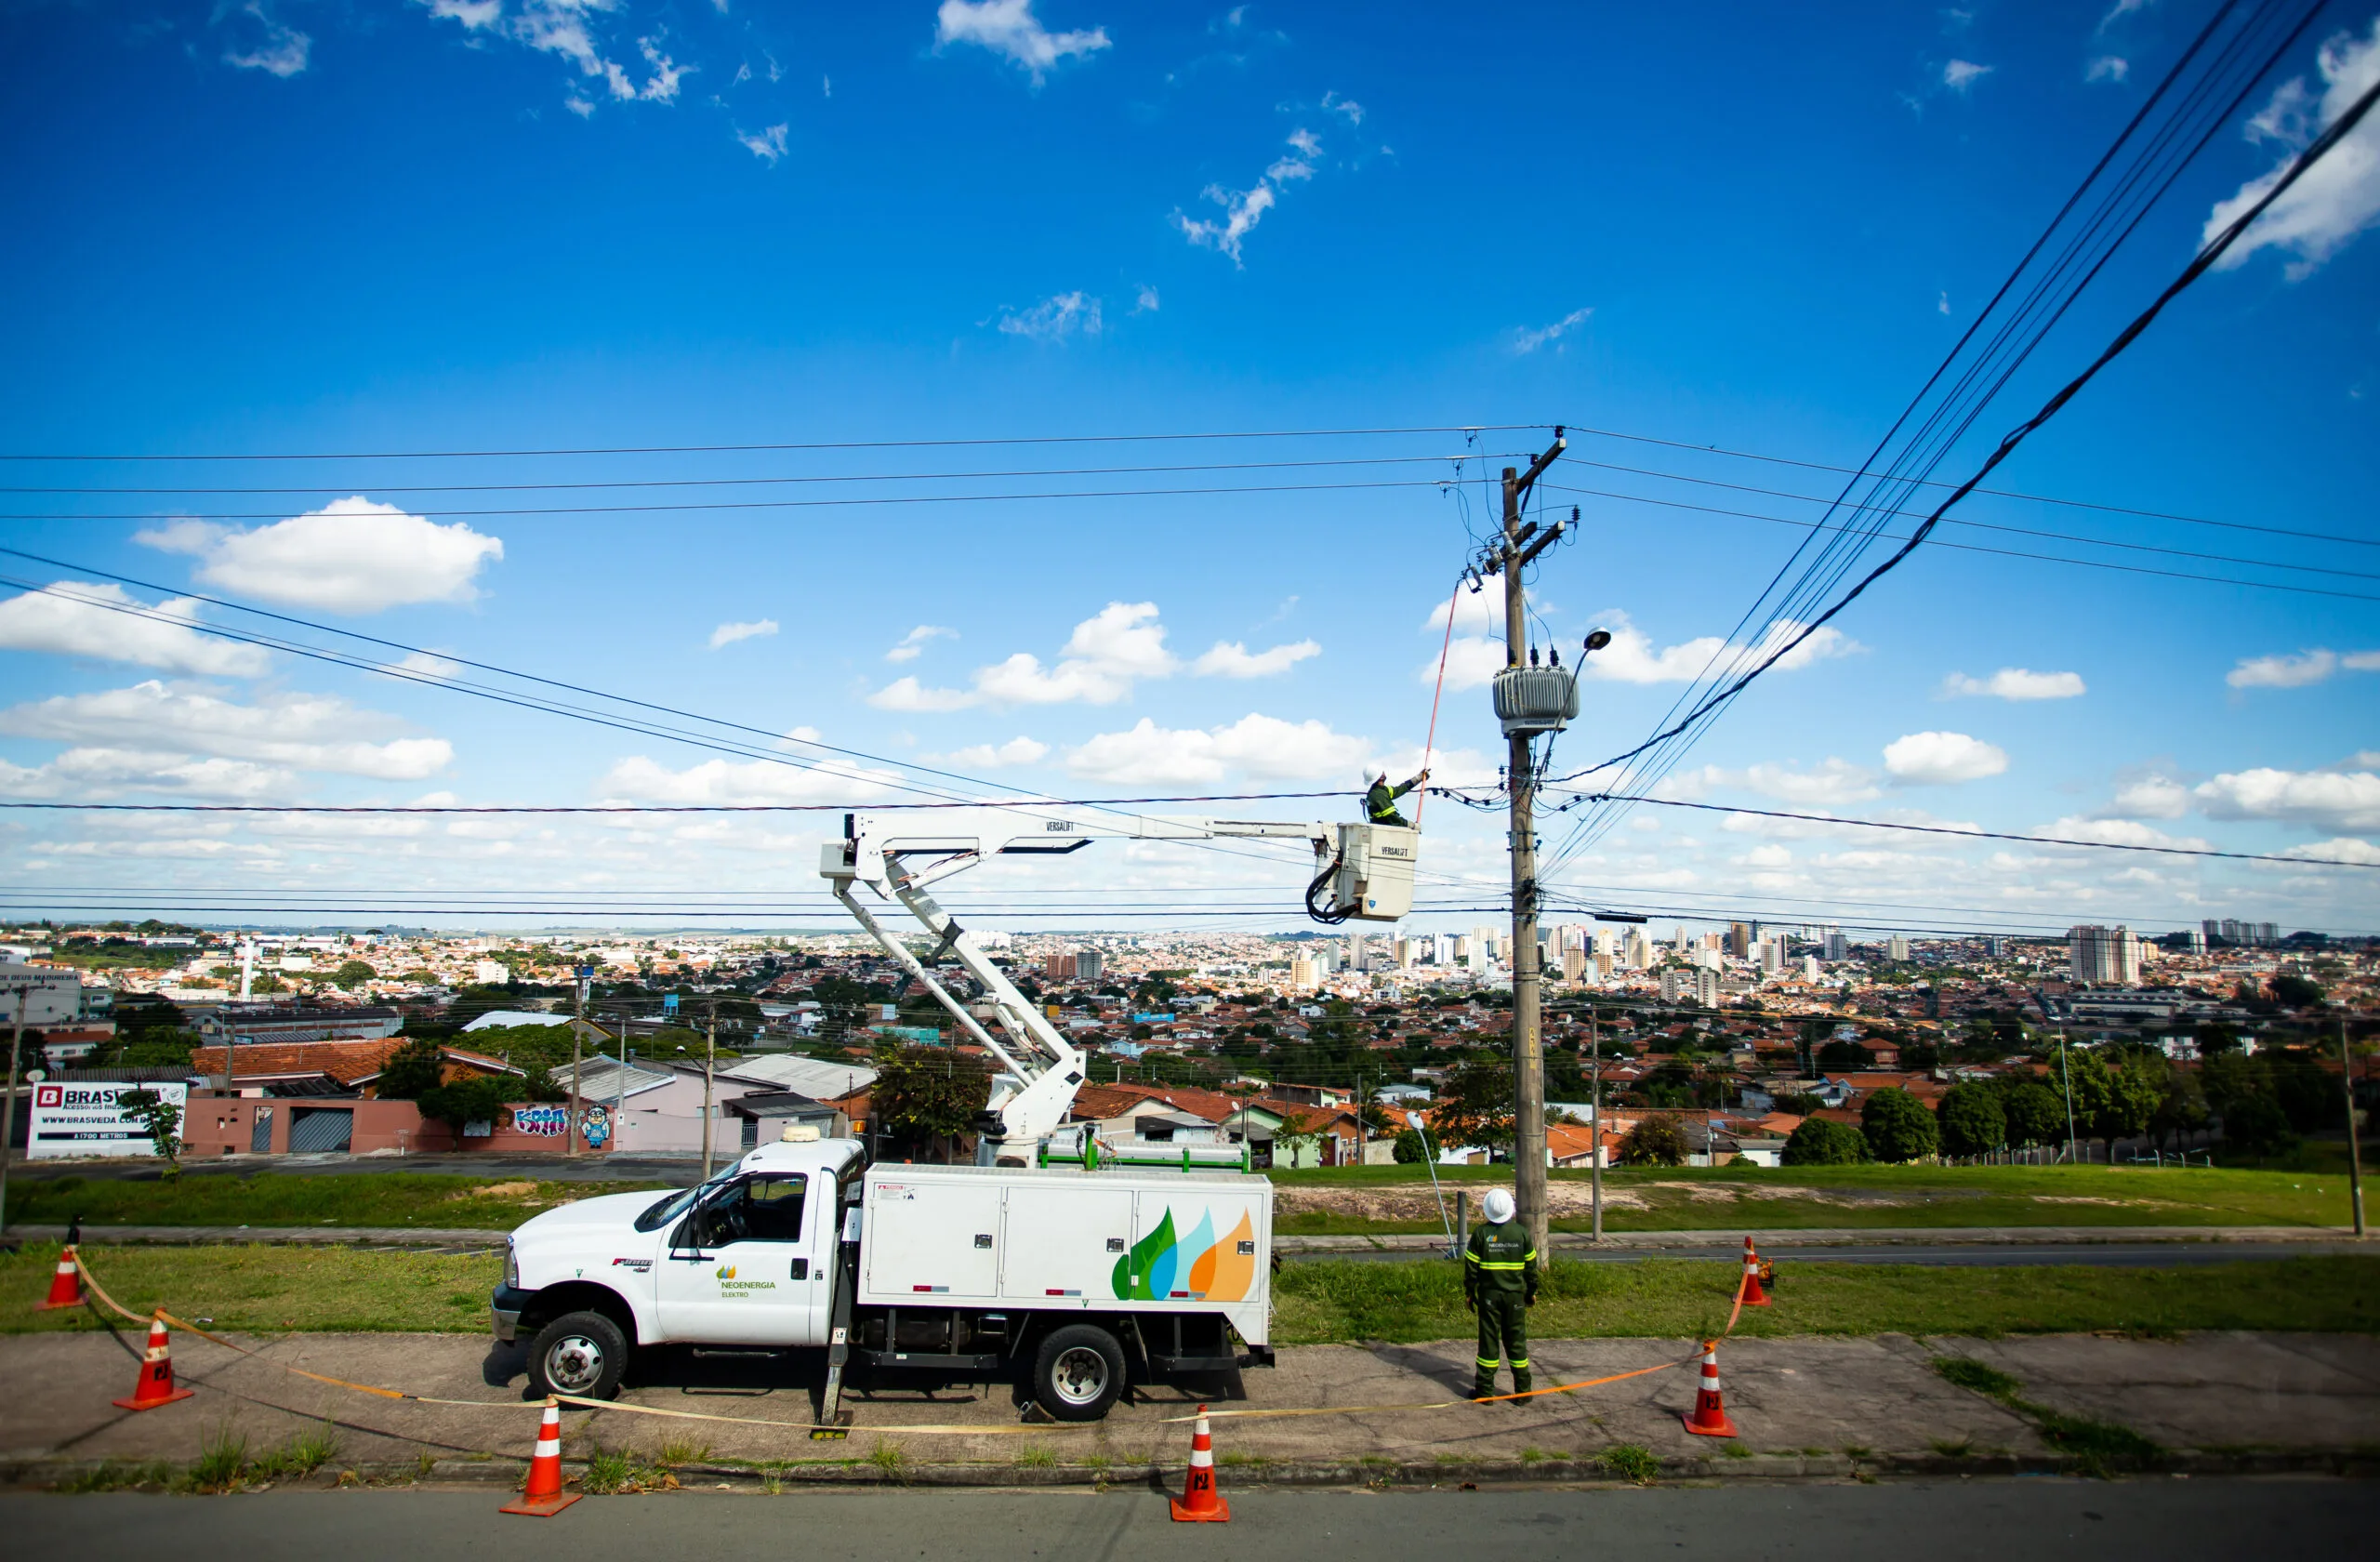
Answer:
(1379, 801)
(1499, 1284)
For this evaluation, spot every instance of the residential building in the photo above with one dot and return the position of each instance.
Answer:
(1706, 987)
(1897, 950)
(2104, 955)
(1837, 946)
(1739, 940)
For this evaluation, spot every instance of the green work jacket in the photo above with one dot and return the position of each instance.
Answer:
(1500, 1259)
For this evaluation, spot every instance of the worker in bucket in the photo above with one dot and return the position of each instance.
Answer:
(1380, 801)
(1499, 1284)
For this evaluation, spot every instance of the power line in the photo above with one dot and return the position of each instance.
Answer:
(1966, 834)
(1465, 428)
(2206, 257)
(649, 808)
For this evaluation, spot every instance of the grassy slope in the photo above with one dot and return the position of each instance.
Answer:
(269, 1288)
(386, 1198)
(1731, 1199)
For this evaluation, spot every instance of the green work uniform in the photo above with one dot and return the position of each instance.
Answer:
(1500, 1280)
(1380, 803)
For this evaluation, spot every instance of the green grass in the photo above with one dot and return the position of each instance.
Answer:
(264, 1290)
(385, 1198)
(1631, 1461)
(1737, 1197)
(1321, 1301)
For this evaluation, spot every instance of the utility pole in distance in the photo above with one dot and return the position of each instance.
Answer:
(1521, 544)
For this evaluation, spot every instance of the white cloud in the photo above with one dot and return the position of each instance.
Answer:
(1960, 74)
(1348, 106)
(995, 756)
(1054, 318)
(2295, 672)
(1931, 759)
(2344, 848)
(912, 645)
(2107, 67)
(353, 555)
(2152, 796)
(566, 28)
(1243, 209)
(1255, 745)
(61, 626)
(1831, 781)
(1144, 301)
(1010, 28)
(1120, 644)
(276, 50)
(2328, 800)
(2119, 832)
(1633, 659)
(728, 634)
(2339, 196)
(1530, 341)
(2122, 9)
(640, 780)
(304, 732)
(1942, 301)
(91, 773)
(662, 87)
(2015, 684)
(1233, 659)
(768, 146)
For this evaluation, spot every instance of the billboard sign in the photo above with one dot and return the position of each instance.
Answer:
(84, 1119)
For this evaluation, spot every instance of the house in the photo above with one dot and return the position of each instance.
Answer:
(254, 1023)
(325, 1068)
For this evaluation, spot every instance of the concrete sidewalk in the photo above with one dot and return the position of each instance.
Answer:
(1419, 1244)
(1806, 1406)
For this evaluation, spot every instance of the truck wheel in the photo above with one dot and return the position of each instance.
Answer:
(1078, 1371)
(583, 1354)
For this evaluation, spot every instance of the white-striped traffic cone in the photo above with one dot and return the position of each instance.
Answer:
(1753, 1295)
(544, 1497)
(1199, 1502)
(66, 1285)
(155, 1384)
(1709, 1417)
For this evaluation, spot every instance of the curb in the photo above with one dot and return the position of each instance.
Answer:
(2350, 1463)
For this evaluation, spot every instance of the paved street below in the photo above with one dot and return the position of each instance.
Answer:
(2041, 1520)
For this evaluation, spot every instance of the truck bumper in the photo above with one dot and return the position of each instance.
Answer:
(503, 1310)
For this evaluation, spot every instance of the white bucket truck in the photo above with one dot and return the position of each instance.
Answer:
(1073, 1275)
(1072, 1280)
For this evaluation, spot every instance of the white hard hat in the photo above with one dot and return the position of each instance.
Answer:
(1499, 1205)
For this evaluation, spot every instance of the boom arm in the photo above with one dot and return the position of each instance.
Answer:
(1041, 1069)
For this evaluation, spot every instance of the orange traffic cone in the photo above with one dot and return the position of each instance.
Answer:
(1753, 1295)
(544, 1497)
(1709, 1417)
(66, 1286)
(155, 1384)
(1200, 1503)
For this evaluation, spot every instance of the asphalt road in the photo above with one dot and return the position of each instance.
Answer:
(2041, 1520)
(1986, 1255)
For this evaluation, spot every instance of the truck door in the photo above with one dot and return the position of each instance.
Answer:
(745, 1267)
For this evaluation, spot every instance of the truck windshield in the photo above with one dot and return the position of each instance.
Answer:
(676, 1204)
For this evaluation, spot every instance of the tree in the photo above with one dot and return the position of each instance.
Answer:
(1659, 1140)
(2257, 1124)
(2036, 1114)
(1410, 1150)
(2292, 991)
(162, 1120)
(1972, 1120)
(1474, 1107)
(474, 1098)
(418, 1066)
(927, 1096)
(1898, 1127)
(1846, 1056)
(1823, 1142)
(2181, 1109)
(353, 973)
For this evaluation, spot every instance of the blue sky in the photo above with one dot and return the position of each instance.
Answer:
(344, 226)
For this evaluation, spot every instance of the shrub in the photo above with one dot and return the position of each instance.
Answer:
(1823, 1142)
(476, 1099)
(1898, 1127)
(1659, 1140)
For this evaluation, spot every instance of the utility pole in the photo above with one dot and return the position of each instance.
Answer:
(1521, 545)
(16, 1042)
(2347, 1082)
(1595, 1114)
(579, 978)
(2067, 1076)
(710, 1058)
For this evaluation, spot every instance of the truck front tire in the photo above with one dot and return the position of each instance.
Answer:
(583, 1354)
(1078, 1371)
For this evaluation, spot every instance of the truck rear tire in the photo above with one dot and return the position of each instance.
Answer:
(583, 1354)
(1078, 1371)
